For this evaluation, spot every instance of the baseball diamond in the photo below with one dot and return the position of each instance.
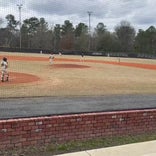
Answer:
(32, 75)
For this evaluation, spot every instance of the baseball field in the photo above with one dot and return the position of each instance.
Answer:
(32, 75)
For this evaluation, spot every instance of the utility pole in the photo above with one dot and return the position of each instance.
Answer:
(20, 24)
(89, 29)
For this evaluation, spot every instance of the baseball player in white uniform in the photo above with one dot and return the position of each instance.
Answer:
(51, 58)
(4, 72)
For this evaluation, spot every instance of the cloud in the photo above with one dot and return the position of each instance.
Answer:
(68, 7)
(140, 13)
(146, 15)
(5, 3)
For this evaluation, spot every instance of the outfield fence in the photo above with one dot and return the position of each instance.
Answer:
(89, 53)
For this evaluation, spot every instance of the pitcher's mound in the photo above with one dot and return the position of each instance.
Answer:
(69, 66)
(15, 78)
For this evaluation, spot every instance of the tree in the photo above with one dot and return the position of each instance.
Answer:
(67, 28)
(57, 37)
(81, 37)
(2, 33)
(126, 36)
(31, 25)
(4, 39)
(145, 41)
(11, 31)
(29, 29)
(100, 29)
(40, 38)
(81, 28)
(11, 22)
(151, 33)
(67, 40)
(1, 21)
(101, 37)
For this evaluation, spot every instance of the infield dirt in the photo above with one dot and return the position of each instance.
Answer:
(32, 75)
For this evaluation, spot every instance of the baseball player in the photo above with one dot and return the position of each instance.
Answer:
(51, 58)
(82, 57)
(60, 54)
(4, 72)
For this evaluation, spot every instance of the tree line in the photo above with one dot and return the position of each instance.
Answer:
(36, 34)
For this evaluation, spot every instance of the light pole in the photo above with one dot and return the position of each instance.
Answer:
(19, 8)
(89, 29)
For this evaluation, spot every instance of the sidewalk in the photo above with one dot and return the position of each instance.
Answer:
(138, 149)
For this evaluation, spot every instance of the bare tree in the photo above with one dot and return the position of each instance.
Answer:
(126, 36)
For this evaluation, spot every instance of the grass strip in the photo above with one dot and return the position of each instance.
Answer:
(74, 146)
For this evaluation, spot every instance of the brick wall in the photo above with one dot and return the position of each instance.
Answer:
(63, 128)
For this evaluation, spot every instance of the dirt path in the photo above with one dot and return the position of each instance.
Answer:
(137, 65)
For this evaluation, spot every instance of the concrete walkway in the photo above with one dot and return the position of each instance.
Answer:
(138, 149)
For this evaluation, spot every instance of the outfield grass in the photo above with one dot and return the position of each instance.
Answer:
(99, 79)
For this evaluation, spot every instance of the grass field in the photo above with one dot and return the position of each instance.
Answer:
(69, 76)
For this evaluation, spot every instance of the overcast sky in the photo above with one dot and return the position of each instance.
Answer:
(140, 13)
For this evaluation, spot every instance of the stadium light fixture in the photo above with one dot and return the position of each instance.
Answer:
(20, 24)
